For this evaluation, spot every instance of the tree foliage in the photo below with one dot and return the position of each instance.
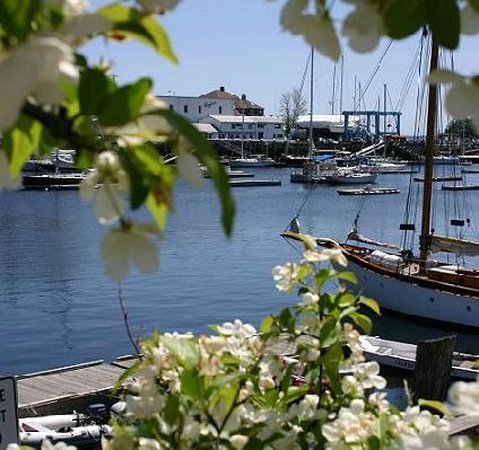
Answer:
(291, 106)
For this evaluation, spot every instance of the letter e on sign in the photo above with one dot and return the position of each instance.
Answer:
(8, 412)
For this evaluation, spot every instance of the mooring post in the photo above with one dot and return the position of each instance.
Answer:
(433, 368)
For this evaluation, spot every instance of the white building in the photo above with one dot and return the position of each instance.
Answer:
(197, 108)
(246, 127)
(207, 130)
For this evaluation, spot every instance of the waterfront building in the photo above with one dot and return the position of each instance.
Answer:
(247, 127)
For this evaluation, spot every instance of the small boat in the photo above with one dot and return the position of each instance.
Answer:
(368, 191)
(53, 181)
(352, 177)
(251, 162)
(250, 183)
(72, 429)
(445, 178)
(401, 355)
(460, 187)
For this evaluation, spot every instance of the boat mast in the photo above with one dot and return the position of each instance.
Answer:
(311, 145)
(424, 239)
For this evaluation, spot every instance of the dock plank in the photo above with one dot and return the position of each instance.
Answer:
(50, 387)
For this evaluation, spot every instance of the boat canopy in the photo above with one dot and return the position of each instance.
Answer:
(453, 245)
(323, 157)
(355, 236)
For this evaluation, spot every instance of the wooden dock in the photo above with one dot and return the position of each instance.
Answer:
(368, 191)
(59, 391)
(250, 183)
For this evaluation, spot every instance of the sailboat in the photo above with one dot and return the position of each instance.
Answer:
(416, 285)
(320, 169)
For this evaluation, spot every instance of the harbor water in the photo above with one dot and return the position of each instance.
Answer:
(57, 307)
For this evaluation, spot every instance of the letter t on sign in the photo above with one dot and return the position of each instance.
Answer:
(8, 412)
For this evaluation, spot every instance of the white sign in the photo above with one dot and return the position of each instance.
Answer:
(8, 412)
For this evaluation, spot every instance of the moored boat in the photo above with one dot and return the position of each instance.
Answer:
(402, 355)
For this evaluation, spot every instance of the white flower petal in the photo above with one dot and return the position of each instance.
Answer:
(188, 167)
(144, 253)
(444, 76)
(469, 20)
(114, 254)
(7, 182)
(108, 204)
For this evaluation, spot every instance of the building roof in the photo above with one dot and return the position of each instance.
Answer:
(247, 119)
(321, 120)
(240, 102)
(205, 128)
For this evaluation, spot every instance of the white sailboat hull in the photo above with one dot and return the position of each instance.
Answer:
(409, 295)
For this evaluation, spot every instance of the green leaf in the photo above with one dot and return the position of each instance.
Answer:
(191, 383)
(267, 324)
(21, 141)
(93, 90)
(347, 276)
(17, 16)
(209, 157)
(434, 405)
(139, 181)
(185, 351)
(329, 332)
(403, 18)
(124, 104)
(125, 375)
(362, 321)
(445, 22)
(474, 4)
(332, 360)
(171, 409)
(145, 28)
(373, 305)
(309, 242)
(158, 210)
(374, 443)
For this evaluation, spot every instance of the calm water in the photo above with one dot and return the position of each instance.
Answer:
(57, 307)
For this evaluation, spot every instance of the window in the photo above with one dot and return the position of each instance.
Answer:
(277, 125)
(185, 109)
(220, 110)
(199, 109)
(250, 126)
(261, 125)
(233, 126)
(171, 108)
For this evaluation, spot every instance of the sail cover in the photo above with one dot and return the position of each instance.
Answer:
(454, 245)
(355, 236)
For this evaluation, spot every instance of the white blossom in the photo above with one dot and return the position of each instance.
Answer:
(363, 27)
(462, 99)
(158, 6)
(76, 29)
(285, 276)
(238, 441)
(34, 68)
(149, 126)
(106, 183)
(125, 246)
(469, 20)
(188, 168)
(148, 444)
(317, 29)
(309, 299)
(325, 255)
(7, 181)
(368, 375)
(237, 328)
(464, 397)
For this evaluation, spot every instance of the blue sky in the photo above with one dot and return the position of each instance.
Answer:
(239, 44)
